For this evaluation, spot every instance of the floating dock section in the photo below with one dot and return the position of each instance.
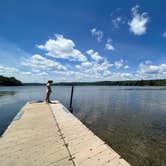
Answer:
(49, 135)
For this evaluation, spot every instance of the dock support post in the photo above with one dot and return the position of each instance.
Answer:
(71, 99)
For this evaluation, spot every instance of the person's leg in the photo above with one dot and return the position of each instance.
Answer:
(47, 97)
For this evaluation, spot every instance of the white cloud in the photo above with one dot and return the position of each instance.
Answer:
(106, 73)
(152, 69)
(27, 76)
(84, 64)
(119, 64)
(149, 71)
(38, 68)
(24, 76)
(63, 48)
(42, 63)
(12, 71)
(126, 67)
(42, 73)
(9, 71)
(106, 64)
(117, 21)
(109, 45)
(95, 70)
(97, 33)
(94, 55)
(122, 76)
(138, 22)
(148, 62)
(94, 67)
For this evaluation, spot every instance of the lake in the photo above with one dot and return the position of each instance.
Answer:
(132, 120)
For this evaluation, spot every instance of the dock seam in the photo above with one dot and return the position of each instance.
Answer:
(63, 138)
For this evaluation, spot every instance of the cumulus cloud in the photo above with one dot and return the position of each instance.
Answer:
(109, 45)
(97, 33)
(126, 67)
(94, 69)
(149, 71)
(152, 69)
(121, 76)
(93, 72)
(86, 64)
(119, 64)
(24, 76)
(117, 18)
(12, 71)
(116, 22)
(9, 71)
(62, 48)
(94, 55)
(101, 70)
(106, 73)
(138, 23)
(39, 62)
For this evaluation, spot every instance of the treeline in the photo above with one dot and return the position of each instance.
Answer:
(9, 81)
(33, 84)
(161, 82)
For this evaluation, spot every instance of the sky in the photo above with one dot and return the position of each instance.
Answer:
(83, 40)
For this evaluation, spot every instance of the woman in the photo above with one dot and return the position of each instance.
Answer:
(48, 91)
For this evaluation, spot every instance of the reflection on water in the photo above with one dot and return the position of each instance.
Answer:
(130, 119)
(4, 93)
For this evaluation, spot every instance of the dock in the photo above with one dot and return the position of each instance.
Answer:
(49, 135)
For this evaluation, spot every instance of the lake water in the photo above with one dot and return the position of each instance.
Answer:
(130, 119)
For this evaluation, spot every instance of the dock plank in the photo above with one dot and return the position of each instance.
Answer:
(49, 135)
(85, 147)
(33, 139)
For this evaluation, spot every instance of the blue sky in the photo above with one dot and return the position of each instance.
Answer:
(82, 40)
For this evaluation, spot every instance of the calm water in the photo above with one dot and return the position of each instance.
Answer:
(130, 119)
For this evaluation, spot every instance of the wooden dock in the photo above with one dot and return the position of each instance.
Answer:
(49, 135)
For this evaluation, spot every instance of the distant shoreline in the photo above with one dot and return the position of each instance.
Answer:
(161, 82)
(11, 81)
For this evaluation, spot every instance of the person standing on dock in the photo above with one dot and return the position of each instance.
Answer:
(48, 91)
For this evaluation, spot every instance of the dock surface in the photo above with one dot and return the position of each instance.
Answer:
(49, 135)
